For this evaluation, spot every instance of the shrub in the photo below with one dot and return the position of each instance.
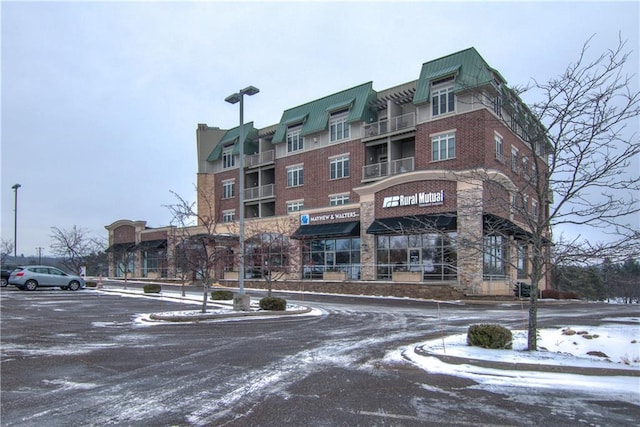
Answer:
(489, 336)
(550, 294)
(152, 288)
(221, 295)
(568, 295)
(273, 303)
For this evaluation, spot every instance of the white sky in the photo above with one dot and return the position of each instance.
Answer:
(101, 100)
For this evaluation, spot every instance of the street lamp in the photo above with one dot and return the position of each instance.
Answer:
(234, 99)
(15, 221)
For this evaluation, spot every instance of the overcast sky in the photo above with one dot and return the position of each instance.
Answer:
(101, 100)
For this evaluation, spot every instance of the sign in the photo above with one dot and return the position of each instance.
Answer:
(306, 219)
(421, 199)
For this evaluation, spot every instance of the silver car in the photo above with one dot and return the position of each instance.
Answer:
(33, 276)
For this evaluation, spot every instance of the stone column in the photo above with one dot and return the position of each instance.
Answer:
(470, 239)
(367, 241)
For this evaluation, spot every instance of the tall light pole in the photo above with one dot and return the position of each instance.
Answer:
(242, 303)
(15, 221)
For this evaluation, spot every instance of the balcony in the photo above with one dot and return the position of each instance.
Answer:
(388, 126)
(382, 170)
(261, 192)
(253, 160)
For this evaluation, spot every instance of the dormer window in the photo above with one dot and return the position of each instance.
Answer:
(228, 159)
(295, 141)
(442, 96)
(338, 126)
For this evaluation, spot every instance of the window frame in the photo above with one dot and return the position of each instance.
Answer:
(339, 199)
(226, 185)
(442, 94)
(339, 129)
(295, 140)
(295, 176)
(339, 167)
(295, 206)
(449, 138)
(228, 158)
(228, 216)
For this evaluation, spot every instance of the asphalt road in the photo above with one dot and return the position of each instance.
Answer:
(82, 359)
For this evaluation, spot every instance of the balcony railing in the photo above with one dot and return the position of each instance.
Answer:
(259, 158)
(394, 167)
(394, 124)
(259, 192)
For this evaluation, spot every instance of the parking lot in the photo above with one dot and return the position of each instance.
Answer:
(85, 358)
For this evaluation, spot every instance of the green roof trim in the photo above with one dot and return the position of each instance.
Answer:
(314, 115)
(231, 137)
(470, 69)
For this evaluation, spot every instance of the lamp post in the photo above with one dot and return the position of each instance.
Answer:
(15, 221)
(241, 302)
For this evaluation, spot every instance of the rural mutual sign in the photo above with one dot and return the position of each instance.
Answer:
(420, 199)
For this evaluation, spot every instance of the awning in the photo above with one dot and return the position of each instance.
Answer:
(493, 224)
(151, 244)
(121, 247)
(339, 229)
(413, 224)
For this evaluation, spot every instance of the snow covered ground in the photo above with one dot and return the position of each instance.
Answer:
(617, 342)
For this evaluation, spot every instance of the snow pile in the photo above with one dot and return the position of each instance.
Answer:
(589, 346)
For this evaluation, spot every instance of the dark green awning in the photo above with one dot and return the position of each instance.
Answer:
(413, 224)
(340, 229)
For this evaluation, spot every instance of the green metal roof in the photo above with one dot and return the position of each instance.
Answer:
(231, 137)
(470, 69)
(314, 115)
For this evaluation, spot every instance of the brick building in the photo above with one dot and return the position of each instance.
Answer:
(433, 181)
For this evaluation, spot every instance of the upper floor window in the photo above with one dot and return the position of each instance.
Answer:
(228, 216)
(295, 141)
(228, 159)
(535, 212)
(442, 96)
(295, 206)
(497, 105)
(338, 126)
(339, 199)
(443, 147)
(339, 167)
(499, 148)
(514, 159)
(295, 176)
(228, 189)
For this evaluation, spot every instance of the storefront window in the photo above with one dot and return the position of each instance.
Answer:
(495, 257)
(433, 254)
(329, 255)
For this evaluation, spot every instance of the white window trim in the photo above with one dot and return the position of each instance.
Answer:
(340, 159)
(340, 117)
(225, 183)
(438, 136)
(297, 132)
(299, 203)
(298, 167)
(227, 213)
(443, 85)
(344, 197)
(499, 156)
(227, 152)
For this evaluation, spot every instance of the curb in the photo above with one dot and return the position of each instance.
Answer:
(579, 370)
(171, 318)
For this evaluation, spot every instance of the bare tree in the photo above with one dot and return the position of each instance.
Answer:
(198, 247)
(75, 246)
(580, 172)
(268, 249)
(6, 248)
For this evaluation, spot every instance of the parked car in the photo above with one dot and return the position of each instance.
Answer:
(6, 272)
(33, 276)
